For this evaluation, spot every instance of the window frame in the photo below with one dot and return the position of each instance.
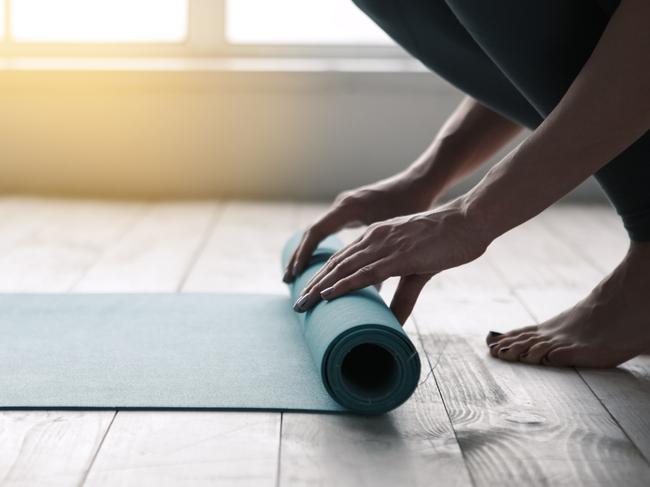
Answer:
(205, 38)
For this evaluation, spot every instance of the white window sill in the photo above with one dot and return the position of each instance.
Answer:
(198, 65)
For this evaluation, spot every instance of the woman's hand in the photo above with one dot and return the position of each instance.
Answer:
(414, 247)
(402, 194)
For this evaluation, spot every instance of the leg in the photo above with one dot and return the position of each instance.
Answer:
(431, 33)
(553, 39)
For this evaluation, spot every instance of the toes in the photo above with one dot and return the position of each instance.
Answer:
(513, 351)
(536, 352)
(581, 356)
(492, 337)
(495, 336)
(564, 356)
(503, 345)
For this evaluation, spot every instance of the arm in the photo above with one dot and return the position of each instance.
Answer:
(605, 110)
(470, 136)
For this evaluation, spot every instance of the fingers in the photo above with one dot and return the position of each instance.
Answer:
(365, 276)
(407, 293)
(346, 267)
(334, 261)
(330, 223)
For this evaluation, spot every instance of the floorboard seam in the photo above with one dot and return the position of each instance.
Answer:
(636, 447)
(127, 228)
(279, 463)
(207, 235)
(99, 447)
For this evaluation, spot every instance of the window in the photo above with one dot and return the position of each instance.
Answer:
(189, 27)
(309, 22)
(92, 21)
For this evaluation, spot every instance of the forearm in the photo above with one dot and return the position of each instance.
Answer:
(604, 111)
(470, 136)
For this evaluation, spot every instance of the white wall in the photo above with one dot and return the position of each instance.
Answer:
(209, 133)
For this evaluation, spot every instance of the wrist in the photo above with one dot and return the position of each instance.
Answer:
(483, 224)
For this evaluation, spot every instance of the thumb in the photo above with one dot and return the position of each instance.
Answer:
(406, 295)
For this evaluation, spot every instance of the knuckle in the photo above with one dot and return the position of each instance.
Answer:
(377, 230)
(311, 233)
(370, 271)
(345, 200)
(344, 265)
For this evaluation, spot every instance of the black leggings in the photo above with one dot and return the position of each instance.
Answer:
(519, 58)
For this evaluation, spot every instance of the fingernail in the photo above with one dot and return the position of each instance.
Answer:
(504, 349)
(294, 270)
(494, 344)
(495, 334)
(300, 303)
(327, 293)
(286, 277)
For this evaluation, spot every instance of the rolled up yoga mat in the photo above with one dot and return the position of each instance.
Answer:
(366, 361)
(205, 351)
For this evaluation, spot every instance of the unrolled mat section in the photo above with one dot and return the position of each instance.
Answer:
(205, 351)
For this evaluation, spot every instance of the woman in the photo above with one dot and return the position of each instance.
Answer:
(575, 72)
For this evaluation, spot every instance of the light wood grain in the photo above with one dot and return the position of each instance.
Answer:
(197, 448)
(413, 445)
(53, 243)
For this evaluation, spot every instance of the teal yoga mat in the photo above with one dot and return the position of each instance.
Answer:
(214, 351)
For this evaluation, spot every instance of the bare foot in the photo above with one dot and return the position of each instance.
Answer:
(605, 329)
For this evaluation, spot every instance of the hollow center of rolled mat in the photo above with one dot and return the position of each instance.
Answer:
(369, 370)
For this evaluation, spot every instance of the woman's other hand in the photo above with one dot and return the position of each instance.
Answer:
(401, 194)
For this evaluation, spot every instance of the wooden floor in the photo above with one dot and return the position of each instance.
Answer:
(473, 420)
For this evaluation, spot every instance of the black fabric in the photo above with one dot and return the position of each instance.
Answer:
(519, 58)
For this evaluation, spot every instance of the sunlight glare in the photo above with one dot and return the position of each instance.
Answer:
(2, 18)
(99, 20)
